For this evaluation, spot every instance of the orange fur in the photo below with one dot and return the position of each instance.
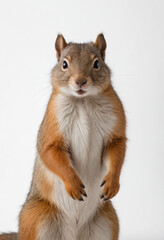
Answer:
(31, 217)
(108, 211)
(9, 236)
(46, 187)
(115, 148)
(55, 154)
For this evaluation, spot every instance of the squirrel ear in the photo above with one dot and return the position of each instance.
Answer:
(101, 44)
(60, 44)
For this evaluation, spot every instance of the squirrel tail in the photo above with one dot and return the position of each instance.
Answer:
(9, 236)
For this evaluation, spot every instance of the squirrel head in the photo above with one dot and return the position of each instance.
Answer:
(81, 70)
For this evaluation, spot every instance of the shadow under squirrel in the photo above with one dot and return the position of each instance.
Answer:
(80, 151)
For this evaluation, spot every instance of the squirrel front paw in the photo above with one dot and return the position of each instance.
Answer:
(111, 187)
(75, 188)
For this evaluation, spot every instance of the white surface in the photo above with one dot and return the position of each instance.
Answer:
(134, 31)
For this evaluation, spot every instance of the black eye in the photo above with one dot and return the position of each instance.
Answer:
(65, 64)
(96, 64)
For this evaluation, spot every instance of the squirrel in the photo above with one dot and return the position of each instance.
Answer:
(81, 148)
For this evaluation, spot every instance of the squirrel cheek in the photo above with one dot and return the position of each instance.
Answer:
(72, 84)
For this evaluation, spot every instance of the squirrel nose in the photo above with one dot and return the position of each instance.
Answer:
(81, 82)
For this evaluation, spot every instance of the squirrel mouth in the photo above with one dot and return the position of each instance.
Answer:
(80, 92)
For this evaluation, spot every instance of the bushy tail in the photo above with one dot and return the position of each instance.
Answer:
(9, 236)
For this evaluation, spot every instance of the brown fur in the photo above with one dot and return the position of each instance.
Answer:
(60, 45)
(108, 211)
(101, 45)
(55, 154)
(31, 217)
(53, 150)
(9, 236)
(45, 186)
(115, 148)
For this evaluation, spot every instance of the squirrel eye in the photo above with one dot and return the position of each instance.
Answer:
(96, 64)
(65, 64)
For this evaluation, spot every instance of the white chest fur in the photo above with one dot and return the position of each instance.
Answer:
(86, 124)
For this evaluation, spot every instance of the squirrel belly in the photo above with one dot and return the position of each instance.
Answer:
(86, 126)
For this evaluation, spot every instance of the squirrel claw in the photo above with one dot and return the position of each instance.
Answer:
(105, 199)
(81, 199)
(84, 194)
(103, 183)
(102, 196)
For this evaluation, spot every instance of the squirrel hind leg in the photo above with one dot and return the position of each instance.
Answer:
(104, 225)
(35, 216)
(9, 236)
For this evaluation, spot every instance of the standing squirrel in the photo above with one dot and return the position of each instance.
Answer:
(80, 151)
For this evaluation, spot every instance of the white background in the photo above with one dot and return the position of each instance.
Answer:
(134, 31)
